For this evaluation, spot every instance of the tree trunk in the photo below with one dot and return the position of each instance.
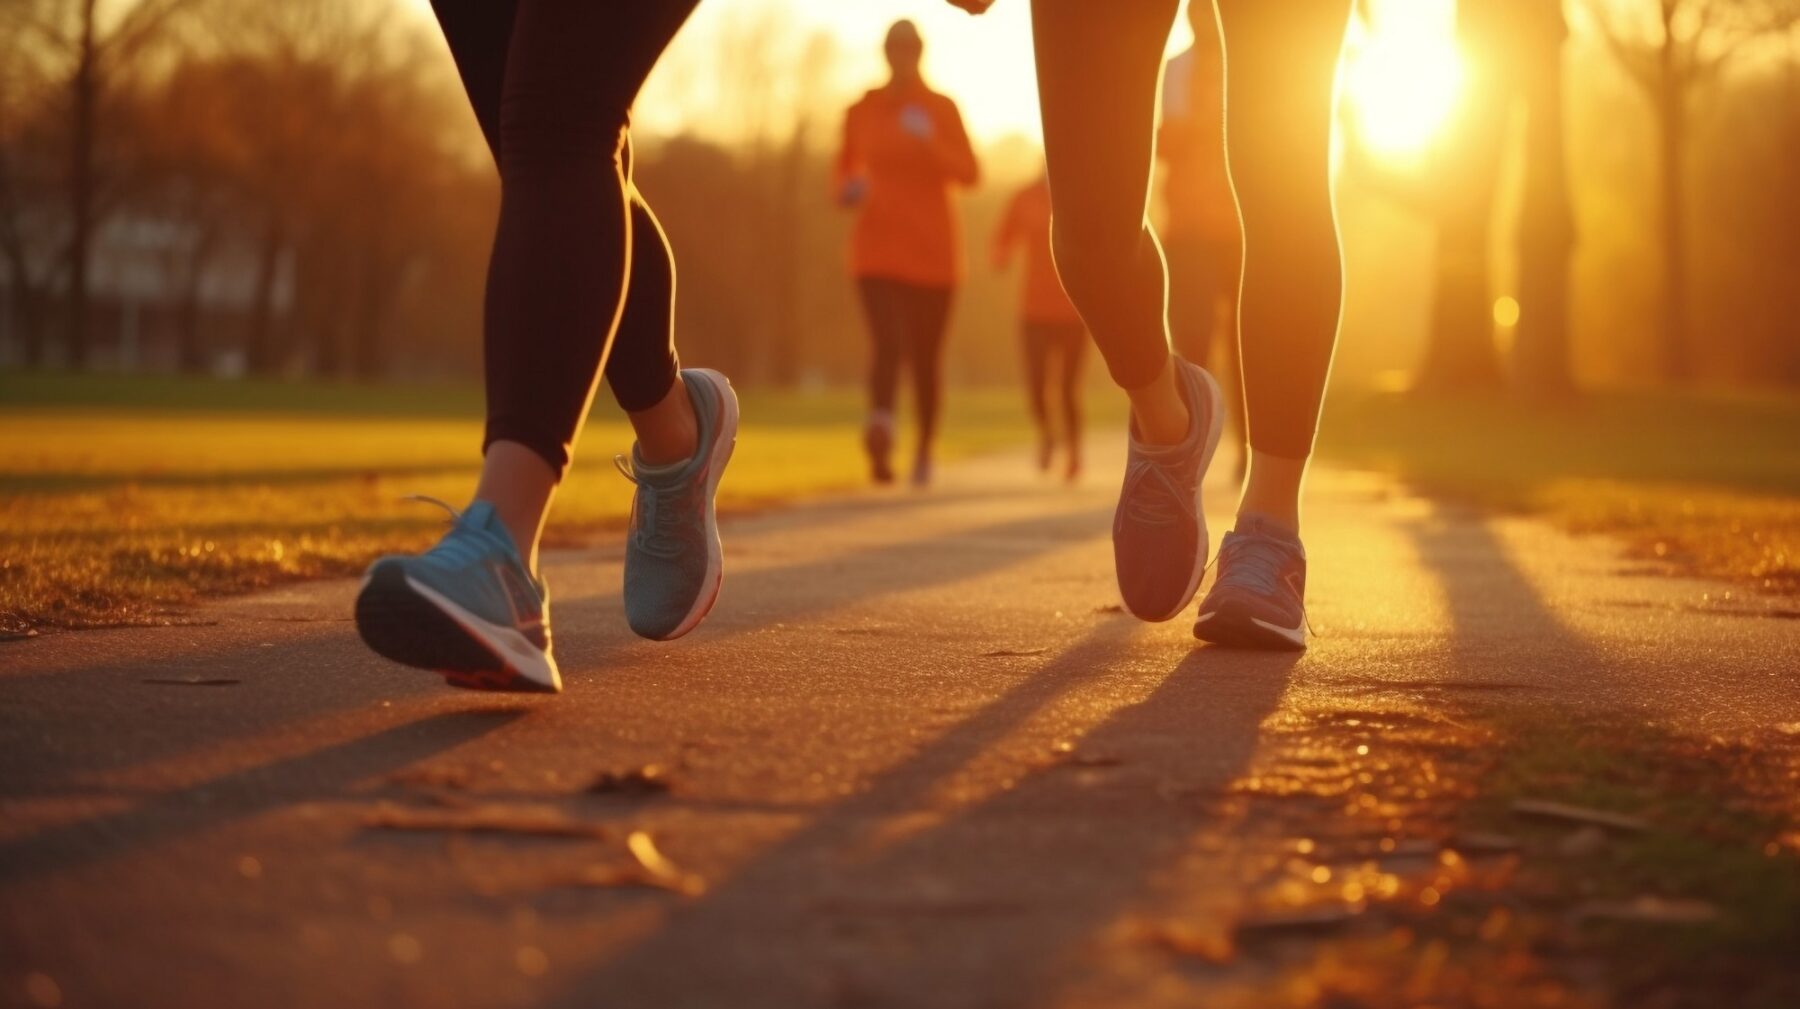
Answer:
(261, 356)
(81, 188)
(1677, 362)
(1546, 228)
(1460, 355)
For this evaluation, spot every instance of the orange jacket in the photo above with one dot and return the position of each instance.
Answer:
(906, 229)
(1027, 224)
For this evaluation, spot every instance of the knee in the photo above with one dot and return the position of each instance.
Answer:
(561, 132)
(1091, 256)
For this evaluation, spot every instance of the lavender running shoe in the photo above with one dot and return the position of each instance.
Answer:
(1259, 599)
(1159, 531)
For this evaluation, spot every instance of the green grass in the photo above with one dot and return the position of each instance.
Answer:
(123, 500)
(1723, 817)
(1707, 484)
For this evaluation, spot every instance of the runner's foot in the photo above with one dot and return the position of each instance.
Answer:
(673, 560)
(1159, 532)
(467, 608)
(1259, 599)
(878, 442)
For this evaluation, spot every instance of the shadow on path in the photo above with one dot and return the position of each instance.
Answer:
(980, 906)
(320, 774)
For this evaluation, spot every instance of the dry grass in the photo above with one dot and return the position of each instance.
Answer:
(117, 507)
(1708, 485)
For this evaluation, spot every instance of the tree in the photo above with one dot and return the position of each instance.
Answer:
(1675, 51)
(89, 50)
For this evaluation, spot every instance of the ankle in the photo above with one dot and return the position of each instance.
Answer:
(1272, 491)
(667, 432)
(1158, 411)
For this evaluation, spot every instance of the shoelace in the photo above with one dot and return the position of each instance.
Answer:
(657, 518)
(1158, 509)
(458, 546)
(1254, 562)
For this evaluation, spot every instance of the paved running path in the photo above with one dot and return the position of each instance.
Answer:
(917, 759)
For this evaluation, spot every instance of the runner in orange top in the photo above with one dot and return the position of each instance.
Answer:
(1200, 223)
(904, 152)
(1049, 325)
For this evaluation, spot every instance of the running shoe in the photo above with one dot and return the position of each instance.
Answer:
(1159, 530)
(1259, 599)
(468, 609)
(878, 442)
(674, 563)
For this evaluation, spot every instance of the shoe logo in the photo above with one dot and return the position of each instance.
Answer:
(521, 601)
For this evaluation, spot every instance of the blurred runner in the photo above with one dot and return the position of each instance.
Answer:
(1200, 227)
(1050, 329)
(1099, 66)
(581, 283)
(904, 151)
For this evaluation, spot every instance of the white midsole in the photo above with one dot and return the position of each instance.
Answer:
(715, 552)
(508, 645)
(1295, 634)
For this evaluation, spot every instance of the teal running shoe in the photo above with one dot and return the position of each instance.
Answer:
(1159, 530)
(674, 563)
(467, 608)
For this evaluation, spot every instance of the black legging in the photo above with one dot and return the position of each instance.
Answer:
(580, 266)
(1067, 343)
(907, 323)
(1099, 65)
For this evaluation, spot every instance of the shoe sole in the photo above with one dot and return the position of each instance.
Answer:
(416, 626)
(722, 448)
(1240, 630)
(1217, 400)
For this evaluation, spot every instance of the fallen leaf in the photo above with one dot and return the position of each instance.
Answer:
(192, 681)
(1316, 918)
(650, 868)
(1589, 840)
(1009, 653)
(649, 779)
(1578, 814)
(1183, 939)
(538, 821)
(1649, 909)
(1481, 843)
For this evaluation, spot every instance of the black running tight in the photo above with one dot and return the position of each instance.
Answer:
(907, 322)
(1099, 65)
(1066, 342)
(581, 278)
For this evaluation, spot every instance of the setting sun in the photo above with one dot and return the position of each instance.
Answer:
(1402, 75)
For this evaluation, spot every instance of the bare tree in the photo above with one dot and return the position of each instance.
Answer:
(89, 48)
(1675, 51)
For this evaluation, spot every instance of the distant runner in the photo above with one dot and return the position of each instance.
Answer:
(903, 154)
(1199, 229)
(1054, 339)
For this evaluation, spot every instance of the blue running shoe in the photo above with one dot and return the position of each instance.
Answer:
(674, 563)
(1259, 599)
(1159, 531)
(467, 608)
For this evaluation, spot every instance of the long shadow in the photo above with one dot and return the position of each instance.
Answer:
(57, 726)
(1502, 632)
(980, 907)
(322, 773)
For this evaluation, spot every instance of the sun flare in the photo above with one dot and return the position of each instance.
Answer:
(1402, 75)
